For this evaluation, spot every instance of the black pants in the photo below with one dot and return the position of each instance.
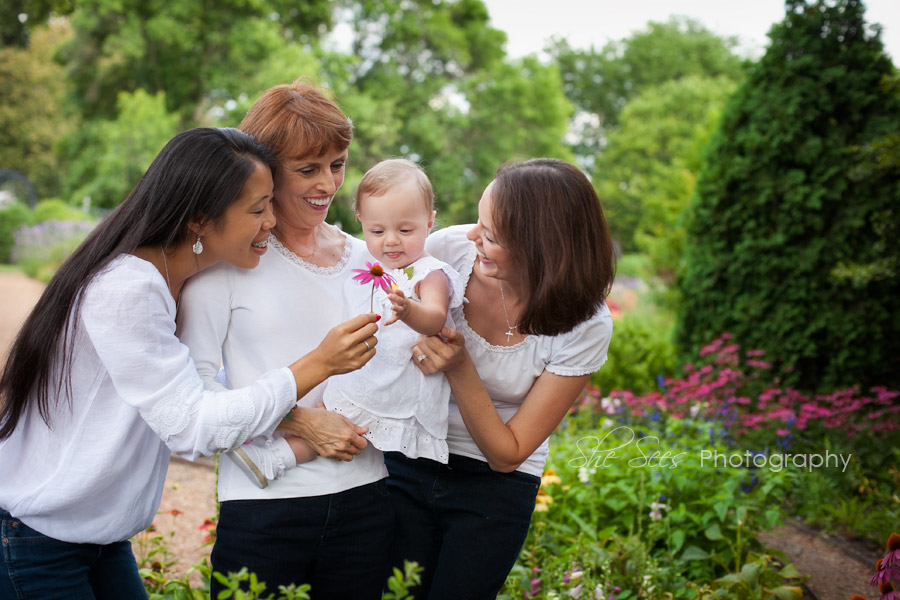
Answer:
(464, 523)
(337, 543)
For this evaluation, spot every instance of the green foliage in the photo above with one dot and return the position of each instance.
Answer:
(641, 353)
(12, 217)
(41, 249)
(762, 578)
(645, 176)
(14, 32)
(531, 123)
(625, 502)
(181, 48)
(398, 583)
(600, 82)
(33, 115)
(244, 585)
(781, 206)
(110, 157)
(57, 210)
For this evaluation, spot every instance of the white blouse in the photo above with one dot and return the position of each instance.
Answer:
(96, 474)
(252, 320)
(404, 409)
(508, 372)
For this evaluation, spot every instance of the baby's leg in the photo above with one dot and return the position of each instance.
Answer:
(302, 451)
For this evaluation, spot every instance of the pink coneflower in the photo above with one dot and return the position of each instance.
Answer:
(375, 274)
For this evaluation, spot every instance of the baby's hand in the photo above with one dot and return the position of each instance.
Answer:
(400, 306)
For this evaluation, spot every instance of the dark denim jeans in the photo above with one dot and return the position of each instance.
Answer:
(36, 567)
(337, 543)
(464, 523)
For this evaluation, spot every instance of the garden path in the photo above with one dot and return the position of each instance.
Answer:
(838, 568)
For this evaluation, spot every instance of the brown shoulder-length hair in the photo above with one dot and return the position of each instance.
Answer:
(297, 120)
(547, 213)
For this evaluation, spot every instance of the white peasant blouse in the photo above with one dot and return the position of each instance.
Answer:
(96, 474)
(508, 372)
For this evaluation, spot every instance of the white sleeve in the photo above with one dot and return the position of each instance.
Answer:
(583, 350)
(127, 319)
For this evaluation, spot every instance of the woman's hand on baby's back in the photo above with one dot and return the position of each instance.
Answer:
(436, 353)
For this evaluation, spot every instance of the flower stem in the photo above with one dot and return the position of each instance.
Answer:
(372, 299)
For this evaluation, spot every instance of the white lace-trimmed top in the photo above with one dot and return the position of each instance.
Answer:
(252, 320)
(96, 476)
(405, 410)
(508, 372)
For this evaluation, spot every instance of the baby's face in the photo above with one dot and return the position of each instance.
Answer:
(396, 224)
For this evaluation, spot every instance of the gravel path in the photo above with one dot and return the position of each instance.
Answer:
(838, 568)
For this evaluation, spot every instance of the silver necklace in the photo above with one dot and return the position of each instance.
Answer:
(510, 328)
(315, 246)
(166, 265)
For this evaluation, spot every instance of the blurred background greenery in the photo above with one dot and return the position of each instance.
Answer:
(753, 200)
(752, 196)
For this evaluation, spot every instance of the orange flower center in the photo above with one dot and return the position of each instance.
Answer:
(376, 271)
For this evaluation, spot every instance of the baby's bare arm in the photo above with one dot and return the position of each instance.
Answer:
(428, 316)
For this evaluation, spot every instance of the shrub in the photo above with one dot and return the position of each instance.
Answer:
(12, 217)
(789, 200)
(640, 353)
(57, 210)
(741, 394)
(41, 249)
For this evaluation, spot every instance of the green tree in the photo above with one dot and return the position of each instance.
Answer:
(33, 116)
(788, 196)
(645, 176)
(601, 82)
(19, 17)
(190, 51)
(447, 98)
(516, 111)
(110, 157)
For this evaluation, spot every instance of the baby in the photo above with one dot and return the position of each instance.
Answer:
(405, 410)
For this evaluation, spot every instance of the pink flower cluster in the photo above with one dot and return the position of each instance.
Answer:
(741, 391)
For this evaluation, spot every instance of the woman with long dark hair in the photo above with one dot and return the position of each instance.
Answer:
(97, 390)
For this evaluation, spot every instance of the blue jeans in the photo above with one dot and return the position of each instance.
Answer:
(337, 543)
(463, 522)
(34, 566)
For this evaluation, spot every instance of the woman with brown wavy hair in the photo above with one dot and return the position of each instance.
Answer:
(539, 264)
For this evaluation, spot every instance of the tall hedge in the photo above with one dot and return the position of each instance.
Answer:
(793, 232)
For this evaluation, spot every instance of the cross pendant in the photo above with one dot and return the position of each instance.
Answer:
(509, 334)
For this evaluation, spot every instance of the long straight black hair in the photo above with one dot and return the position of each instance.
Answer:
(194, 179)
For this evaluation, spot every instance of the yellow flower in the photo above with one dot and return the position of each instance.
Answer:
(550, 478)
(544, 498)
(540, 508)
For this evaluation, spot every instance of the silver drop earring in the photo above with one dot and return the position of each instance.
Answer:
(198, 246)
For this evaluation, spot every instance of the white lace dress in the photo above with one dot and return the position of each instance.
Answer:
(405, 410)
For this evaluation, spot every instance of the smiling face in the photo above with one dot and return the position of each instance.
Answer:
(239, 237)
(493, 259)
(305, 187)
(396, 224)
